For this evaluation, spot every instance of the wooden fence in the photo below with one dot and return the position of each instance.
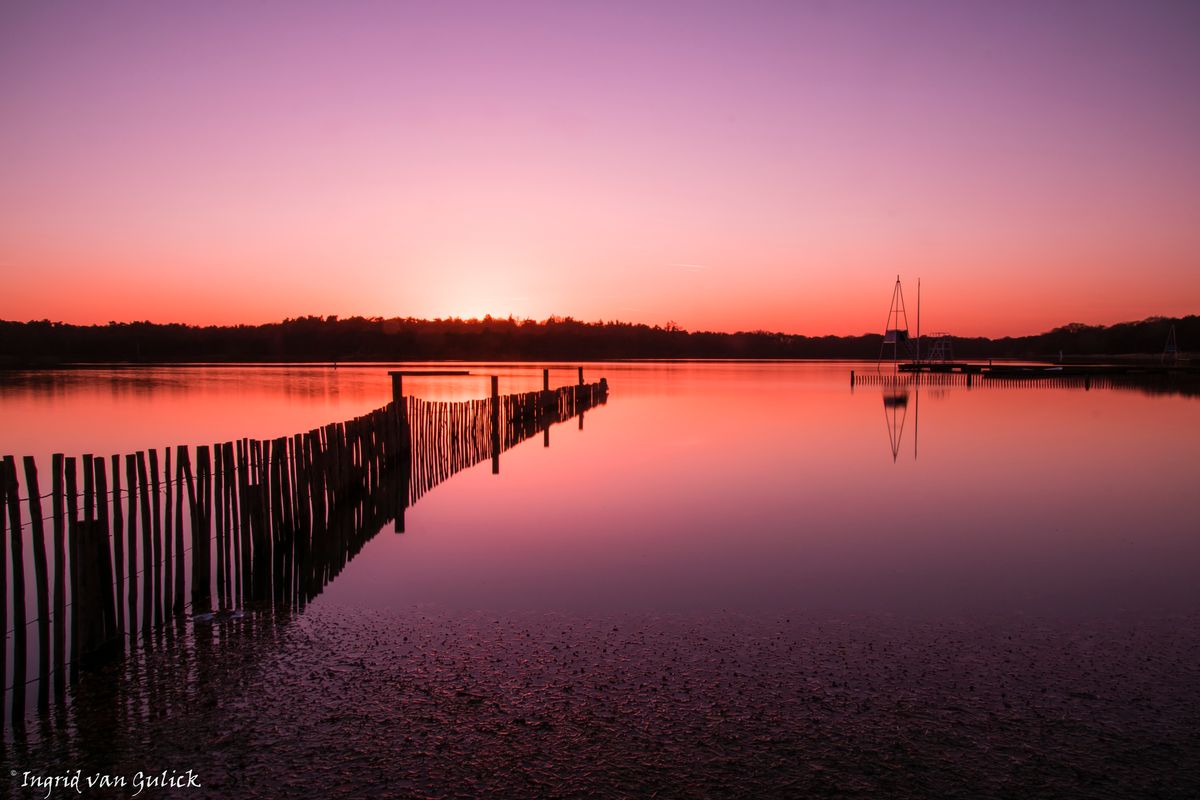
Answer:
(137, 544)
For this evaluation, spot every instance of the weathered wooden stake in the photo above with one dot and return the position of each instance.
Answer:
(219, 516)
(147, 545)
(41, 576)
(118, 545)
(107, 613)
(60, 577)
(8, 476)
(157, 540)
(169, 548)
(179, 581)
(131, 480)
(201, 534)
(4, 576)
(73, 560)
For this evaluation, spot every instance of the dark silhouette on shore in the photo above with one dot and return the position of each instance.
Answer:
(45, 343)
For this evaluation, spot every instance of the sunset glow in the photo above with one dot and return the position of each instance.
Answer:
(723, 166)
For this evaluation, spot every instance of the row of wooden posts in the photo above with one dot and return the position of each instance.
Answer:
(252, 522)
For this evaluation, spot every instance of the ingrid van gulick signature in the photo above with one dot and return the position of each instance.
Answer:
(45, 784)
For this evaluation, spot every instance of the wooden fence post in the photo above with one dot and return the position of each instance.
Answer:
(41, 576)
(9, 490)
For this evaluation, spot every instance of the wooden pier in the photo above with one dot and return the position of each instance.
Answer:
(1147, 378)
(1006, 370)
(207, 530)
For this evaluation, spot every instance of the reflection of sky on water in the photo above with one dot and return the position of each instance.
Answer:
(754, 487)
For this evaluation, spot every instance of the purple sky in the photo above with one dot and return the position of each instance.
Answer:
(722, 165)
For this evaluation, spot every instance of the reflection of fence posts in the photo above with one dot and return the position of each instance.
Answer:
(286, 515)
(546, 400)
(495, 420)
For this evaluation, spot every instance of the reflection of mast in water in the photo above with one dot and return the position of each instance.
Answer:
(916, 418)
(895, 414)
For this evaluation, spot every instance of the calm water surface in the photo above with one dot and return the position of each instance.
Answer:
(746, 487)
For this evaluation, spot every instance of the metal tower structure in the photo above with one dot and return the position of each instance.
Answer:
(942, 349)
(895, 331)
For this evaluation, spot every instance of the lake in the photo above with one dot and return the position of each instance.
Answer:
(1037, 544)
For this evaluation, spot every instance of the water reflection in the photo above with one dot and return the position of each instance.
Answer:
(708, 487)
(901, 393)
(895, 414)
(1043, 528)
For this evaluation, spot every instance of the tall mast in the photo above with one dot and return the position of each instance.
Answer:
(918, 323)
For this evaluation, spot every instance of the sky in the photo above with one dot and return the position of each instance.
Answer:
(723, 166)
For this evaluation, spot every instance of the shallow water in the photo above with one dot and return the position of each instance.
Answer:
(1018, 554)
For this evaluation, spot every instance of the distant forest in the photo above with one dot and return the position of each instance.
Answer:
(44, 343)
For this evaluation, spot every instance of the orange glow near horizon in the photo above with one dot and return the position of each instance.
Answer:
(724, 169)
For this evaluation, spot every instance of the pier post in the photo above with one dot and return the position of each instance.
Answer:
(397, 387)
(851, 378)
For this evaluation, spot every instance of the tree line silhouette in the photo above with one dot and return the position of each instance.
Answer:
(312, 338)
